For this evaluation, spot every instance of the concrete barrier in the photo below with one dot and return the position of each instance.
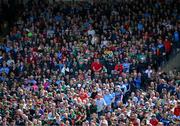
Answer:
(174, 62)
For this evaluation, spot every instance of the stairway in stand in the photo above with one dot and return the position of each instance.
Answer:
(174, 62)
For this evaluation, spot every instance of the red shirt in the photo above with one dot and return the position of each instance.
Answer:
(134, 122)
(81, 76)
(83, 96)
(167, 45)
(177, 111)
(154, 122)
(119, 68)
(96, 66)
(31, 59)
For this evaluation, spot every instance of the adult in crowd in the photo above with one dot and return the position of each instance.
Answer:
(91, 64)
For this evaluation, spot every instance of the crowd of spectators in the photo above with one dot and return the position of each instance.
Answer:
(91, 64)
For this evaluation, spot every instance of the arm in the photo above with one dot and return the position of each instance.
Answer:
(78, 119)
(84, 118)
(113, 100)
(121, 97)
(104, 103)
(128, 87)
(99, 69)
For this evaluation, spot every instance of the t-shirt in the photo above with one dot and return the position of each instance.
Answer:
(148, 72)
(4, 69)
(96, 66)
(140, 26)
(93, 95)
(118, 96)
(126, 67)
(137, 82)
(108, 99)
(35, 87)
(91, 32)
(83, 96)
(176, 36)
(93, 109)
(167, 45)
(119, 68)
(100, 104)
(154, 122)
(177, 111)
(124, 87)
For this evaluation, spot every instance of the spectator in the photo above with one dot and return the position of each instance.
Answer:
(93, 63)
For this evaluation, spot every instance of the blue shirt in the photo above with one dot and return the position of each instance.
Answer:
(58, 82)
(2, 78)
(108, 99)
(7, 49)
(32, 81)
(118, 96)
(140, 26)
(123, 30)
(126, 67)
(58, 18)
(60, 66)
(137, 82)
(4, 69)
(59, 55)
(160, 46)
(146, 15)
(176, 36)
(1, 59)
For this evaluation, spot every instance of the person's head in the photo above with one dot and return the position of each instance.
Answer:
(86, 123)
(178, 103)
(71, 111)
(93, 123)
(103, 121)
(46, 114)
(82, 90)
(97, 60)
(133, 116)
(99, 96)
(125, 81)
(153, 116)
(106, 91)
(35, 122)
(67, 123)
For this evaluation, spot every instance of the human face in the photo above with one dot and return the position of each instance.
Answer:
(178, 104)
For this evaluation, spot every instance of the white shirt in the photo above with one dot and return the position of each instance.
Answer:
(149, 72)
(64, 70)
(135, 99)
(91, 32)
(124, 87)
(105, 122)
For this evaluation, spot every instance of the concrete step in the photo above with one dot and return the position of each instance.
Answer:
(172, 63)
